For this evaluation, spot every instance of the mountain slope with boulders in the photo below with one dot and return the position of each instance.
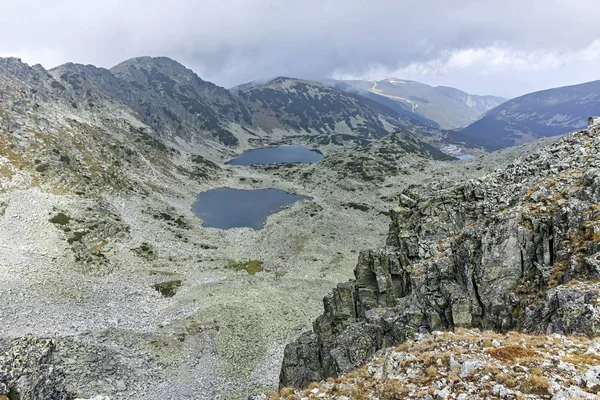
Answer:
(190, 112)
(312, 107)
(518, 249)
(111, 285)
(535, 115)
(322, 115)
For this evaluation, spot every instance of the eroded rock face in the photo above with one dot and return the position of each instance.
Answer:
(27, 371)
(515, 250)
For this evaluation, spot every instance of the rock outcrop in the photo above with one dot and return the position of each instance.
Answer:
(516, 250)
(27, 371)
(469, 364)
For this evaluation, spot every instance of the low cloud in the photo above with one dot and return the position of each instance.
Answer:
(503, 47)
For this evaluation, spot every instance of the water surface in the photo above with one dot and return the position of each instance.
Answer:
(227, 208)
(466, 157)
(277, 155)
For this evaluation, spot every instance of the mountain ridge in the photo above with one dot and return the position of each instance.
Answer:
(539, 114)
(448, 107)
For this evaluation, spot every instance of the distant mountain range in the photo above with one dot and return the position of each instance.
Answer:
(178, 107)
(440, 107)
(160, 107)
(539, 114)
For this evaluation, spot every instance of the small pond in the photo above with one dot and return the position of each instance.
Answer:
(277, 155)
(227, 208)
(466, 157)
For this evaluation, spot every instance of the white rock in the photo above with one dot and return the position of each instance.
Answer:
(454, 364)
(592, 377)
(443, 394)
(468, 367)
(573, 393)
(502, 391)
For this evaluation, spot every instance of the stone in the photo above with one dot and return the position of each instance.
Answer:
(120, 386)
(27, 371)
(574, 393)
(502, 391)
(469, 367)
(592, 376)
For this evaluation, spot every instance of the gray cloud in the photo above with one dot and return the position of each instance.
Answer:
(505, 47)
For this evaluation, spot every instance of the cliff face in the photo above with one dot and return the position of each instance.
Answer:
(516, 250)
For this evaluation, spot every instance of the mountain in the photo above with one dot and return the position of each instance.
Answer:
(518, 249)
(180, 106)
(534, 115)
(112, 285)
(446, 107)
(329, 115)
(311, 107)
(71, 129)
(170, 98)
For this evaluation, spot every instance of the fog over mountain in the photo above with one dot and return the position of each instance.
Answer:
(479, 47)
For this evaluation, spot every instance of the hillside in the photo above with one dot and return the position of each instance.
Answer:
(514, 250)
(534, 115)
(325, 116)
(111, 284)
(447, 107)
(312, 107)
(470, 364)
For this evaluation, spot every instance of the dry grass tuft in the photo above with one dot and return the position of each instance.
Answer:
(511, 353)
(536, 384)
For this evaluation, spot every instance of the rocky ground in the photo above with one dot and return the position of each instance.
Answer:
(111, 286)
(470, 364)
(517, 249)
(223, 332)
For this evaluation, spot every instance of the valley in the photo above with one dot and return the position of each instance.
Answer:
(109, 276)
(223, 331)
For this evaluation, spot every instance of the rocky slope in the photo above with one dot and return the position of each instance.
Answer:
(534, 115)
(470, 364)
(514, 250)
(312, 107)
(390, 156)
(187, 111)
(109, 280)
(447, 107)
(324, 115)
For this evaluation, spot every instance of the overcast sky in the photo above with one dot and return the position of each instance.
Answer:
(503, 47)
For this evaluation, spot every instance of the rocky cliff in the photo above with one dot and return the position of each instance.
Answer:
(516, 250)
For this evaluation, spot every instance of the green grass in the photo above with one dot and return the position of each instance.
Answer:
(168, 289)
(60, 219)
(251, 266)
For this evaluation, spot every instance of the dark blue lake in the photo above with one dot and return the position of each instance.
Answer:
(277, 155)
(227, 208)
